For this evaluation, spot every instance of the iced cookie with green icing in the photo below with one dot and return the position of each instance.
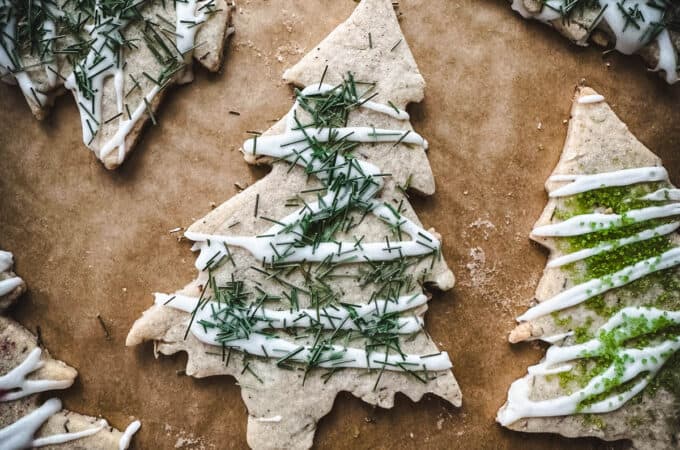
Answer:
(648, 28)
(117, 58)
(28, 417)
(608, 303)
(311, 281)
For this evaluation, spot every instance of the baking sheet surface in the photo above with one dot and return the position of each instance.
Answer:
(90, 242)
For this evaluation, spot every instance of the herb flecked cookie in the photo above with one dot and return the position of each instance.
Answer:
(311, 281)
(609, 299)
(117, 57)
(650, 28)
(26, 371)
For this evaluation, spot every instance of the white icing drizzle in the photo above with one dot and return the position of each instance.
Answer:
(629, 38)
(20, 434)
(190, 15)
(590, 99)
(125, 126)
(330, 318)
(644, 235)
(668, 60)
(394, 112)
(50, 30)
(663, 195)
(102, 61)
(9, 284)
(625, 177)
(334, 356)
(129, 432)
(67, 437)
(273, 419)
(584, 291)
(557, 337)
(641, 363)
(6, 261)
(16, 384)
(590, 223)
(8, 37)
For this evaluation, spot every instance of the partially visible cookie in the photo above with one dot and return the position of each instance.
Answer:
(608, 302)
(26, 372)
(117, 60)
(647, 28)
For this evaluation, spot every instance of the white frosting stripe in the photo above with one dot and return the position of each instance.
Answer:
(62, 438)
(9, 66)
(213, 248)
(591, 223)
(590, 99)
(190, 15)
(6, 261)
(330, 318)
(582, 292)
(9, 284)
(125, 126)
(608, 246)
(663, 195)
(626, 177)
(129, 432)
(332, 356)
(388, 110)
(286, 145)
(17, 385)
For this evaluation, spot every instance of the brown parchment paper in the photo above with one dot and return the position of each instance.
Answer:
(92, 242)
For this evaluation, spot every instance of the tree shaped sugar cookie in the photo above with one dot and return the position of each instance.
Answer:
(117, 57)
(26, 421)
(609, 299)
(647, 28)
(310, 282)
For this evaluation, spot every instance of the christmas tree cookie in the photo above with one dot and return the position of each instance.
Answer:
(311, 281)
(609, 299)
(648, 28)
